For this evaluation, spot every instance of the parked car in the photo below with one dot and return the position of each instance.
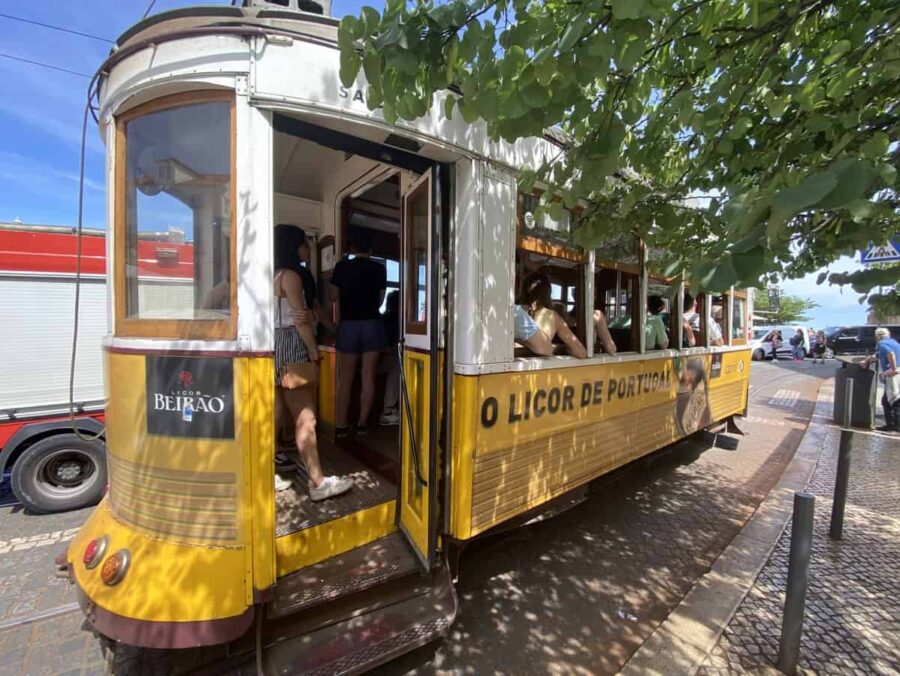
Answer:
(856, 339)
(761, 341)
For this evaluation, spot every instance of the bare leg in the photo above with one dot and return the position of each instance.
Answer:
(369, 366)
(301, 403)
(346, 370)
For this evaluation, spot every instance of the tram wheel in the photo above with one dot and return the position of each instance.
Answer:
(60, 473)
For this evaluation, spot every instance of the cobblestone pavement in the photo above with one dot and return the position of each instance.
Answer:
(852, 620)
(576, 594)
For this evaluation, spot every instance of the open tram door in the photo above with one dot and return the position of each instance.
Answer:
(420, 311)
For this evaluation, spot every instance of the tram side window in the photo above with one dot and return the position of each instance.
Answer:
(659, 327)
(615, 296)
(739, 319)
(548, 289)
(718, 324)
(177, 212)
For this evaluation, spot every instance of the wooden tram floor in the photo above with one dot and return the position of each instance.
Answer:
(295, 511)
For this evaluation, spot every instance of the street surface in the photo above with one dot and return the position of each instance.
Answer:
(575, 594)
(852, 620)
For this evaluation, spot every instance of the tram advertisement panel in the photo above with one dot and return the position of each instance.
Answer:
(190, 397)
(540, 433)
(675, 391)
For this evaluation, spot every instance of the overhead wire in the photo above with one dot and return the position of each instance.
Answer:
(55, 28)
(43, 65)
(149, 7)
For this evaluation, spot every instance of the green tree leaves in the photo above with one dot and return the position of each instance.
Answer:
(786, 113)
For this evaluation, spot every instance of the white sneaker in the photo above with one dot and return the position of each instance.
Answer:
(329, 488)
(281, 484)
(391, 418)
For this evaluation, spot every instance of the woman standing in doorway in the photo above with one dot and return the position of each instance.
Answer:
(295, 346)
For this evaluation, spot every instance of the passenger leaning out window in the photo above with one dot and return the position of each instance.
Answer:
(537, 298)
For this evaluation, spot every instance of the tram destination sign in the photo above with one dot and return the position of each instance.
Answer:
(190, 397)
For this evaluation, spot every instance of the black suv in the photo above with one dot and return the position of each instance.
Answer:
(856, 339)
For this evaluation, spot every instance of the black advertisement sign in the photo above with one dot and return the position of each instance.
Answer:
(715, 367)
(190, 397)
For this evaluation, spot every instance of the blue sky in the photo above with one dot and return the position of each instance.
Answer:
(41, 110)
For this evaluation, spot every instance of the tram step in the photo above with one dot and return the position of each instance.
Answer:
(373, 635)
(372, 564)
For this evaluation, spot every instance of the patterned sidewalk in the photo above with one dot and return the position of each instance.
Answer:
(852, 623)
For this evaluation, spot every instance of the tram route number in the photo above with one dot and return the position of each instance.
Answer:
(539, 402)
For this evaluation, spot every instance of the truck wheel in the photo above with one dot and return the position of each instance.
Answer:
(758, 355)
(60, 473)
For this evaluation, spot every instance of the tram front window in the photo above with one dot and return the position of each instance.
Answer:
(176, 212)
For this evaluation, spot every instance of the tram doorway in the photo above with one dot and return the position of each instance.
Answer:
(341, 198)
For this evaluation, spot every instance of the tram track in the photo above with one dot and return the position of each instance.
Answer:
(40, 616)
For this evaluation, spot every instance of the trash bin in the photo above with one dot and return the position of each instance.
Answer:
(862, 409)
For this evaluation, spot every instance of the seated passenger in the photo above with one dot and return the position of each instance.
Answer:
(655, 329)
(537, 299)
(604, 337)
(689, 336)
(528, 334)
(715, 326)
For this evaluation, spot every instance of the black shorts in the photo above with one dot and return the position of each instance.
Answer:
(356, 336)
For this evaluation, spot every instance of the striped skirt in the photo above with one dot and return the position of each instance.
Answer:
(289, 349)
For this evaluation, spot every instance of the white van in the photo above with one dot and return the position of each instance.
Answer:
(761, 341)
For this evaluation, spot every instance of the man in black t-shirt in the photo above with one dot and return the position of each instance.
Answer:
(360, 283)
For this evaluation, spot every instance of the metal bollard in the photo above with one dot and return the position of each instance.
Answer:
(798, 576)
(836, 531)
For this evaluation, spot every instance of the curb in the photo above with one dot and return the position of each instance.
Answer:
(685, 638)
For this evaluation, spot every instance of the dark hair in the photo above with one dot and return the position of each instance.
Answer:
(392, 304)
(655, 304)
(288, 239)
(361, 240)
(688, 301)
(536, 290)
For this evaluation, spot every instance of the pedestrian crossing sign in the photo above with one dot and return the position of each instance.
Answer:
(882, 253)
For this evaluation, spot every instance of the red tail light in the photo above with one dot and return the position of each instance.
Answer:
(94, 552)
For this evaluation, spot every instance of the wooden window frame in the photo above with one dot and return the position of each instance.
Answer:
(199, 329)
(417, 328)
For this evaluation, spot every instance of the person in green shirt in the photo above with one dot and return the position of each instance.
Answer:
(654, 329)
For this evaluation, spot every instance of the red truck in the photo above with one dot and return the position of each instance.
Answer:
(54, 463)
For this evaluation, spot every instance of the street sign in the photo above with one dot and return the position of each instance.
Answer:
(882, 253)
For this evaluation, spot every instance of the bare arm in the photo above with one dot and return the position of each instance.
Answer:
(576, 349)
(689, 333)
(292, 287)
(603, 334)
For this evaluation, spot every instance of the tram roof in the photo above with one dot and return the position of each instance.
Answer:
(189, 52)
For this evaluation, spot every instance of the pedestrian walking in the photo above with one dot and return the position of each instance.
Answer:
(820, 345)
(797, 346)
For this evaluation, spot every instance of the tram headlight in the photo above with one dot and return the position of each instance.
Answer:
(115, 567)
(94, 552)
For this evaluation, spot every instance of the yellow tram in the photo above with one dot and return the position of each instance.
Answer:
(220, 123)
